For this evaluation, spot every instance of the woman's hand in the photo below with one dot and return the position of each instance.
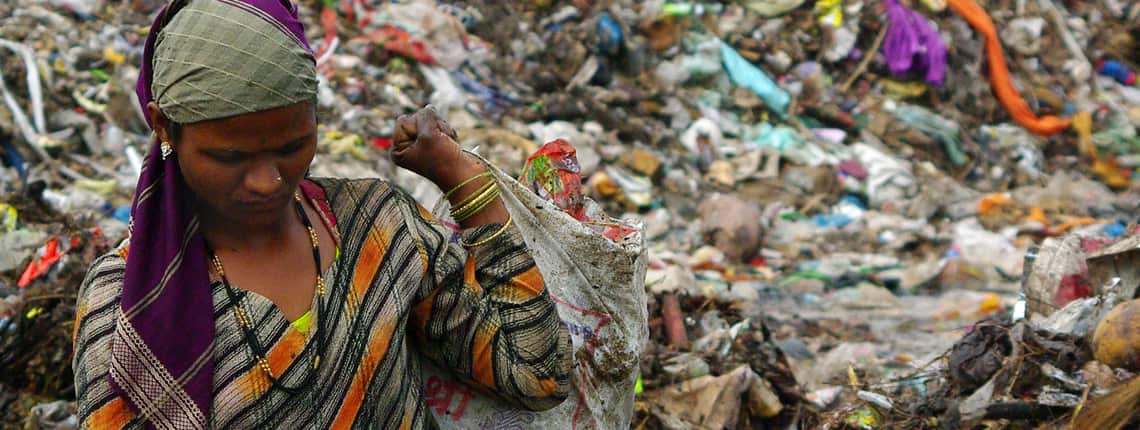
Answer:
(425, 144)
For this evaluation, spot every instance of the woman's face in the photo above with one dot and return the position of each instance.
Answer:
(245, 168)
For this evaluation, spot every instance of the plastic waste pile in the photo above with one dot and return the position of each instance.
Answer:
(858, 214)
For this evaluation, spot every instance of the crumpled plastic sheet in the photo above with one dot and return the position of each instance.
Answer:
(714, 402)
(889, 179)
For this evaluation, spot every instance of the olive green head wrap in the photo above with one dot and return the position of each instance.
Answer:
(220, 58)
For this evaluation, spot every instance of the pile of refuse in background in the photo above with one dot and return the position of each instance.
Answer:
(859, 214)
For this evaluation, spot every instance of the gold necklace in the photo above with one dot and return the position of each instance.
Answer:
(246, 323)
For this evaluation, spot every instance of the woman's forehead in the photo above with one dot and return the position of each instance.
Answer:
(278, 125)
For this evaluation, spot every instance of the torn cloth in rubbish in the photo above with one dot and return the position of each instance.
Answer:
(913, 44)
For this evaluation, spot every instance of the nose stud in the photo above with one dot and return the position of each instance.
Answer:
(278, 179)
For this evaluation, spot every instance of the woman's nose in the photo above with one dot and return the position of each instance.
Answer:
(264, 179)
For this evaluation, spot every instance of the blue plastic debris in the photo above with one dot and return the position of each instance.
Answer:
(123, 213)
(745, 74)
(1114, 230)
(610, 38)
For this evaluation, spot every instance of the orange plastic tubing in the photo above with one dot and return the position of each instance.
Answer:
(999, 73)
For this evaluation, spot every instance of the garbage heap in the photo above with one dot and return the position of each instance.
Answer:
(860, 214)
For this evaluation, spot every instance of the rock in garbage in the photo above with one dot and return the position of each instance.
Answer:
(732, 225)
(1116, 341)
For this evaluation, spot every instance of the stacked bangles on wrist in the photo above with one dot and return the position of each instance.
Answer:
(476, 202)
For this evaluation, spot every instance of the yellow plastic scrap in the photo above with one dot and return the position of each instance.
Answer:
(59, 65)
(88, 104)
(903, 90)
(1082, 123)
(1106, 169)
(341, 143)
(934, 5)
(113, 57)
(34, 312)
(8, 217)
(103, 187)
(830, 12)
(1111, 175)
(852, 378)
(863, 419)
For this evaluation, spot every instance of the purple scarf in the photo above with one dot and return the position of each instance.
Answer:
(163, 349)
(912, 44)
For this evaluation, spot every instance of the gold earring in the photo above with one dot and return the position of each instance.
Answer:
(166, 149)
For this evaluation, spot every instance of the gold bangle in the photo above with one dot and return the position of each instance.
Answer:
(474, 195)
(470, 210)
(468, 181)
(474, 199)
(502, 230)
(477, 208)
(466, 209)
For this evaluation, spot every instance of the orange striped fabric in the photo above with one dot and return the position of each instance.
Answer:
(402, 290)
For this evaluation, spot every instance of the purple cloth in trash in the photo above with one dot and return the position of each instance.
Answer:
(913, 44)
(162, 351)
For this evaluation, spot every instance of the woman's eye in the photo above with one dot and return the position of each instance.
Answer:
(227, 157)
(289, 149)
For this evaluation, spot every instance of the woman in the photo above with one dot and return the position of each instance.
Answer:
(253, 297)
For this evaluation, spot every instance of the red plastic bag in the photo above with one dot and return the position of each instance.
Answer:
(553, 173)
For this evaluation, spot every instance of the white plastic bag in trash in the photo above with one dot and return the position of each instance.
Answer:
(598, 287)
